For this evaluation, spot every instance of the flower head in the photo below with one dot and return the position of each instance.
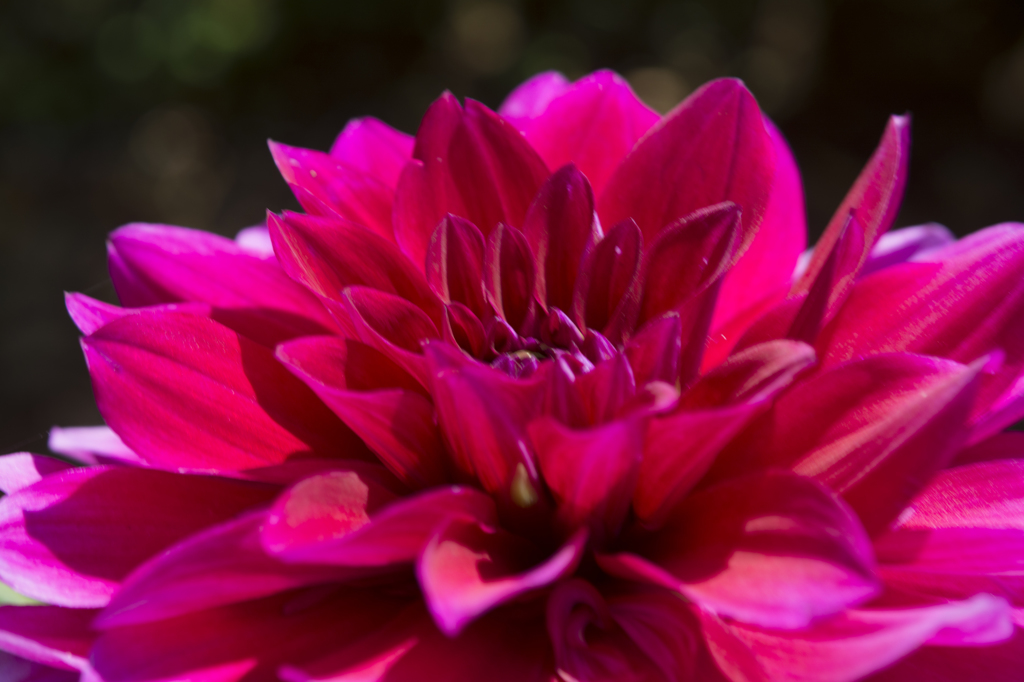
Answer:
(540, 394)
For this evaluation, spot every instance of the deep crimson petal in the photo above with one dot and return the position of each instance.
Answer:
(425, 192)
(561, 227)
(605, 390)
(155, 264)
(463, 328)
(328, 255)
(49, 635)
(963, 534)
(594, 123)
(24, 670)
(531, 98)
(366, 535)
(249, 640)
(775, 550)
(71, 538)
(509, 275)
(874, 200)
(92, 445)
(185, 392)
(496, 171)
(382, 403)
(713, 147)
(767, 265)
(373, 147)
(608, 289)
(1006, 445)
(591, 473)
(350, 193)
(995, 663)
(22, 469)
(751, 375)
(455, 263)
(851, 645)
(873, 430)
(468, 569)
(679, 448)
(654, 351)
(664, 628)
(223, 565)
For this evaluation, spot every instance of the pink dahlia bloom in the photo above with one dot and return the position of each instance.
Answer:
(542, 394)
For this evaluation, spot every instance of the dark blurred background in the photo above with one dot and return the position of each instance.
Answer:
(114, 111)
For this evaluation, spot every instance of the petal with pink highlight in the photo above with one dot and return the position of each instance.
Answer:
(373, 147)
(531, 98)
(22, 469)
(92, 445)
(455, 263)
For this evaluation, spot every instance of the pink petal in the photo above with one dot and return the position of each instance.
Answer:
(373, 147)
(851, 645)
(775, 549)
(608, 288)
(496, 171)
(155, 264)
(223, 565)
(561, 227)
(751, 375)
(348, 192)
(874, 430)
(22, 469)
(303, 527)
(963, 534)
(467, 570)
(510, 273)
(455, 263)
(531, 98)
(92, 444)
(49, 635)
(88, 314)
(377, 399)
(255, 241)
(591, 473)
(713, 147)
(594, 123)
(328, 255)
(185, 392)
(71, 538)
(908, 243)
(874, 200)
(767, 265)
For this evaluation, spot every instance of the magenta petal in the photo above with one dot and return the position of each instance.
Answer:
(713, 147)
(751, 375)
(594, 123)
(377, 399)
(455, 263)
(24, 670)
(510, 273)
(531, 98)
(851, 645)
(679, 449)
(995, 663)
(88, 314)
(608, 290)
(654, 351)
(350, 193)
(775, 550)
(223, 565)
(561, 227)
(908, 243)
(328, 255)
(183, 391)
(92, 445)
(467, 570)
(606, 389)
(155, 264)
(49, 635)
(962, 534)
(874, 200)
(590, 472)
(373, 147)
(22, 469)
(392, 534)
(873, 430)
(1006, 445)
(496, 171)
(767, 265)
(71, 538)
(663, 627)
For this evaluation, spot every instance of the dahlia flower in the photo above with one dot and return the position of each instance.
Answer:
(541, 394)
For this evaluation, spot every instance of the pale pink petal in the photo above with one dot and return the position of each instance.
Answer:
(71, 538)
(531, 98)
(255, 241)
(373, 147)
(467, 570)
(22, 469)
(776, 550)
(91, 444)
(908, 243)
(217, 402)
(49, 635)
(594, 123)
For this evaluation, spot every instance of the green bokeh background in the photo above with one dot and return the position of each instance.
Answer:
(114, 111)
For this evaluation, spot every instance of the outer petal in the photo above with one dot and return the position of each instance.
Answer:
(531, 98)
(851, 645)
(751, 375)
(48, 635)
(995, 663)
(776, 550)
(92, 444)
(88, 314)
(713, 147)
(23, 670)
(594, 123)
(71, 538)
(183, 391)
(908, 243)
(22, 469)
(373, 147)
(154, 264)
